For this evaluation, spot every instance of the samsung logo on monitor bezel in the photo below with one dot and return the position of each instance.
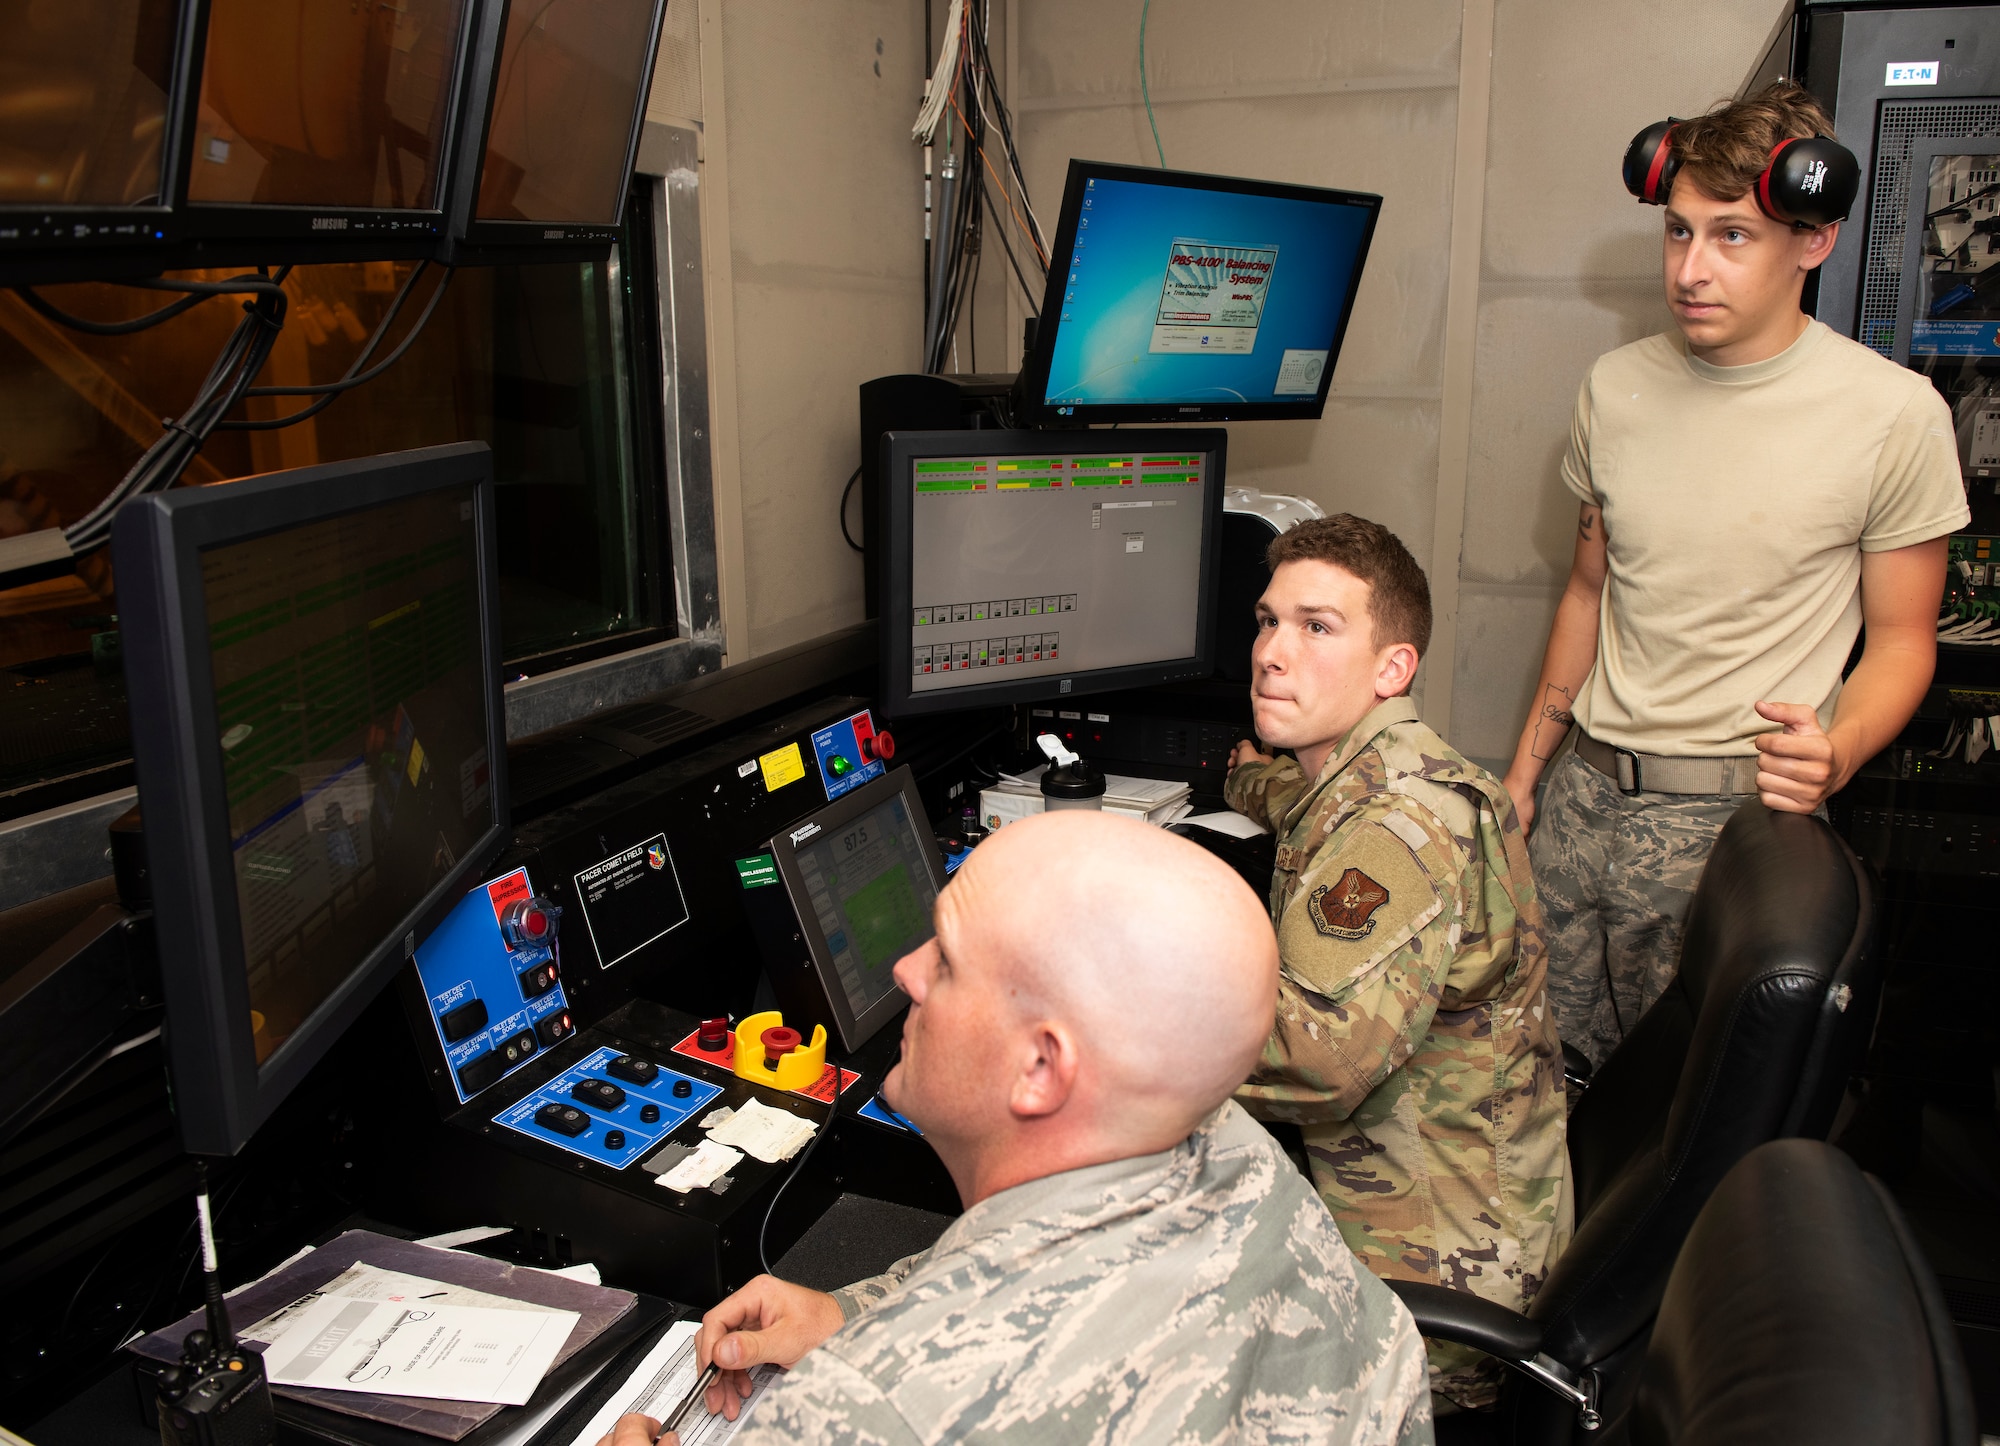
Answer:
(329, 223)
(555, 235)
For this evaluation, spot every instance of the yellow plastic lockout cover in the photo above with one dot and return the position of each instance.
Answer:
(799, 1061)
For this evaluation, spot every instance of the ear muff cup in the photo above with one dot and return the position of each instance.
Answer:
(1650, 163)
(1808, 182)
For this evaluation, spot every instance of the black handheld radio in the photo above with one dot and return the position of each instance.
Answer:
(217, 1395)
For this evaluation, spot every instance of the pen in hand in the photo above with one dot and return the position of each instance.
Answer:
(679, 1413)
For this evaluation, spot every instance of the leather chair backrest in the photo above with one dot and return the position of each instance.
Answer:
(1753, 1041)
(1799, 1310)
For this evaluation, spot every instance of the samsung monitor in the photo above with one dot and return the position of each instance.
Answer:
(862, 875)
(554, 109)
(1018, 566)
(93, 96)
(1178, 297)
(312, 659)
(322, 130)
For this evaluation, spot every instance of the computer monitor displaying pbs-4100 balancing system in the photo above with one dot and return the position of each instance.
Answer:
(1181, 297)
(313, 664)
(1019, 566)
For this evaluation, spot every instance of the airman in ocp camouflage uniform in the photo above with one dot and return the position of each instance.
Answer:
(1414, 1045)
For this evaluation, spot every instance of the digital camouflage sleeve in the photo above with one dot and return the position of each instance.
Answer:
(1414, 1046)
(1196, 1295)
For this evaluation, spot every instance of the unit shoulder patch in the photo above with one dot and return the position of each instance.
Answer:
(1346, 909)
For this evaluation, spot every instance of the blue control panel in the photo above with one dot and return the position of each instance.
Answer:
(494, 983)
(594, 1122)
(846, 752)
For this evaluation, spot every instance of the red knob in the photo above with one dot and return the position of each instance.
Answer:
(778, 1042)
(885, 746)
(713, 1037)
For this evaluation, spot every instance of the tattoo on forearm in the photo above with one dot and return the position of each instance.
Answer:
(1552, 722)
(1587, 527)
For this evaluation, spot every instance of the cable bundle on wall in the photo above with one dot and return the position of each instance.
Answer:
(980, 176)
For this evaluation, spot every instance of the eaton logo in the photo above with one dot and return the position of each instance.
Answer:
(1911, 72)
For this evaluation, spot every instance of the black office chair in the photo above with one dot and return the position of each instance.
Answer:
(1753, 1041)
(1801, 1310)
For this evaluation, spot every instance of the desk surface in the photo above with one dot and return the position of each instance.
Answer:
(857, 1237)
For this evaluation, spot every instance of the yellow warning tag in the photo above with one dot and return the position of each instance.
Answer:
(416, 769)
(782, 766)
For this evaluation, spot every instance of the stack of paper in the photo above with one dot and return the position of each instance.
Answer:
(1154, 800)
(418, 1346)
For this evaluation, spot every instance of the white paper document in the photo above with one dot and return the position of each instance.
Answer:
(659, 1382)
(368, 1282)
(1232, 823)
(758, 1129)
(418, 1348)
(709, 1163)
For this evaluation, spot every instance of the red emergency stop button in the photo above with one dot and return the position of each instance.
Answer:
(778, 1042)
(885, 746)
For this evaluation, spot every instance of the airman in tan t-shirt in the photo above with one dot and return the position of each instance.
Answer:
(1754, 489)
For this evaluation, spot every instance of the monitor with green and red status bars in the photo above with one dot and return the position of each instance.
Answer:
(1020, 566)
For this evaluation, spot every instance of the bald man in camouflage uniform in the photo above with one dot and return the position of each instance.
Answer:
(1138, 1262)
(1414, 1044)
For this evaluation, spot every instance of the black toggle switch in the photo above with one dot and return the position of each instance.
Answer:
(539, 980)
(633, 1070)
(519, 1047)
(601, 1093)
(682, 1089)
(563, 1119)
(476, 1074)
(465, 1020)
(555, 1028)
(649, 1114)
(614, 1139)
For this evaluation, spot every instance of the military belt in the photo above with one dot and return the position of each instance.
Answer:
(1652, 773)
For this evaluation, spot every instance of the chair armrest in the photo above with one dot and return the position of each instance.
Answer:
(1577, 1068)
(1457, 1315)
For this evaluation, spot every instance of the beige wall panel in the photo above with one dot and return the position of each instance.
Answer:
(1572, 83)
(1501, 632)
(1082, 50)
(824, 172)
(1375, 458)
(1397, 144)
(1536, 346)
(799, 444)
(826, 246)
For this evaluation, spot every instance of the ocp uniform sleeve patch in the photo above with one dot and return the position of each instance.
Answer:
(1364, 896)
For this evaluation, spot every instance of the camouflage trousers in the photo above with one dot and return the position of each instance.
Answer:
(1616, 873)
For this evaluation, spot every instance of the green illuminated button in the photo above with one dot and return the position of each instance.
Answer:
(838, 765)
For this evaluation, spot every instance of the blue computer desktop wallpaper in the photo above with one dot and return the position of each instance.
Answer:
(1111, 301)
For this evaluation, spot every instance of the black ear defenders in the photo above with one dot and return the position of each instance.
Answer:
(1808, 181)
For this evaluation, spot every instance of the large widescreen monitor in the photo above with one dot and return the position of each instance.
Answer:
(1181, 297)
(312, 659)
(323, 129)
(1019, 566)
(90, 95)
(553, 116)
